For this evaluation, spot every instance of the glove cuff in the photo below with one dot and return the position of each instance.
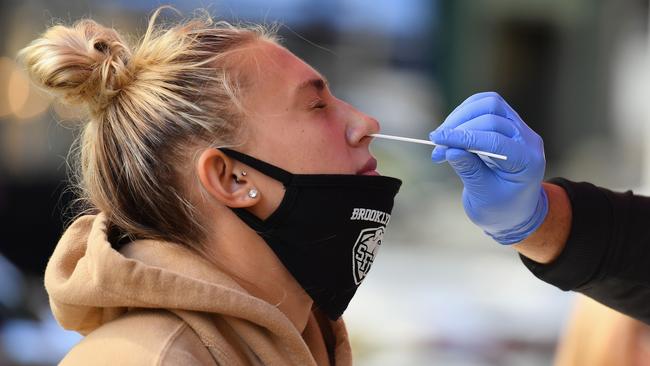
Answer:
(522, 231)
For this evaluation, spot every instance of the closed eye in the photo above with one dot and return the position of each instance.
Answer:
(318, 104)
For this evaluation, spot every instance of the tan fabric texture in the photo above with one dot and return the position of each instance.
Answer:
(157, 303)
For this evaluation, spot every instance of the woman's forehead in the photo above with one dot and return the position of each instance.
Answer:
(276, 64)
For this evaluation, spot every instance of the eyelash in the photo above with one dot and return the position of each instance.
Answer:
(318, 104)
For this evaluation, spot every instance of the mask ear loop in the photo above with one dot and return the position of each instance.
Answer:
(271, 170)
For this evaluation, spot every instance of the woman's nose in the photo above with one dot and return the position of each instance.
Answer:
(360, 126)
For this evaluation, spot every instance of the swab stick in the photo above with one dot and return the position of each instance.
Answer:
(427, 142)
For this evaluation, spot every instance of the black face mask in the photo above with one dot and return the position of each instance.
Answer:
(327, 229)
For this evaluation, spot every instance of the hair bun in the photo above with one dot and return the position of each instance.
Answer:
(84, 63)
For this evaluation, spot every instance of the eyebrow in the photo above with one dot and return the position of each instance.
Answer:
(317, 83)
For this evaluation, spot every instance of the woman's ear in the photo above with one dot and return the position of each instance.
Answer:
(225, 180)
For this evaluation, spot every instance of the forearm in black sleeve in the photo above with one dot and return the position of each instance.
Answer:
(607, 255)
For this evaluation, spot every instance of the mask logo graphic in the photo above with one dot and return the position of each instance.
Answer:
(364, 251)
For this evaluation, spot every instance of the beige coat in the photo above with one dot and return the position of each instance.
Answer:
(156, 303)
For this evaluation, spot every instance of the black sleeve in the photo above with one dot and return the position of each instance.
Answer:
(607, 255)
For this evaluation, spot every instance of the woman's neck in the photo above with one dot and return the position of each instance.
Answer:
(240, 252)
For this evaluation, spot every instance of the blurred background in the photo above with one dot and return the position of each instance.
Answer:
(441, 293)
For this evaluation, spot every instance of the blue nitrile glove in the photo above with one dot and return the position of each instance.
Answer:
(504, 198)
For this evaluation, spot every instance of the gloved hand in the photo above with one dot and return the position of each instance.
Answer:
(504, 198)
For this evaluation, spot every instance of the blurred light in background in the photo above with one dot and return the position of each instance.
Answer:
(25, 101)
(6, 69)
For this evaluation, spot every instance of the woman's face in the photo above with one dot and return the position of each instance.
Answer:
(295, 122)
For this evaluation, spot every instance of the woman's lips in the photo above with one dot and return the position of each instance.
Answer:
(370, 172)
(369, 168)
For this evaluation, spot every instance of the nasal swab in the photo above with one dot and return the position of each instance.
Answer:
(426, 142)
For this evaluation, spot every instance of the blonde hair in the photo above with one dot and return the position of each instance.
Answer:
(147, 107)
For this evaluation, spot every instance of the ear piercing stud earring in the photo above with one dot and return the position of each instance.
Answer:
(243, 174)
(252, 193)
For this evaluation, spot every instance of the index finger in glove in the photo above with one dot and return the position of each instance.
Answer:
(484, 122)
(488, 141)
(483, 103)
(473, 98)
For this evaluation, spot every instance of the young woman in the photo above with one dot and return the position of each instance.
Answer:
(233, 205)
